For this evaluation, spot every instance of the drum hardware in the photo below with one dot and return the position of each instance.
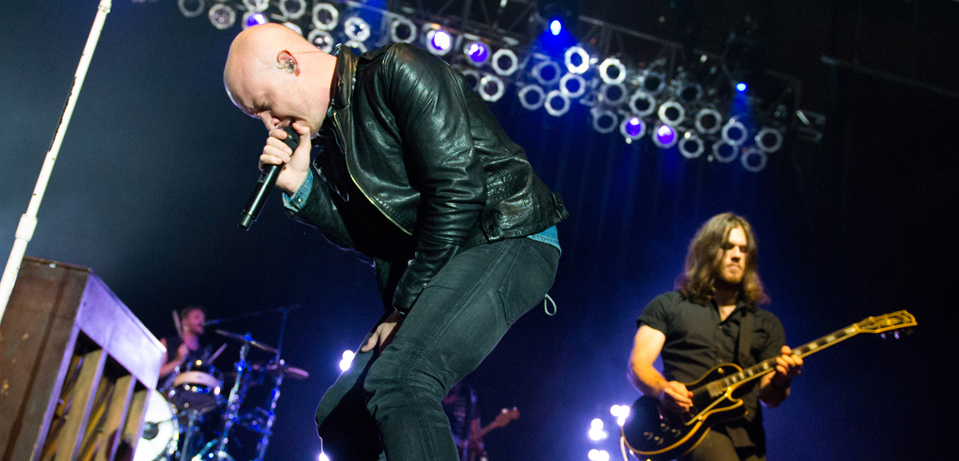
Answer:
(206, 382)
(196, 387)
(194, 419)
(239, 389)
(160, 431)
(246, 339)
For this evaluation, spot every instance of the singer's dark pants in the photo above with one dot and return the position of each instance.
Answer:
(391, 402)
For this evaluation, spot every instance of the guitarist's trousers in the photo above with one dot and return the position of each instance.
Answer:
(392, 401)
(716, 446)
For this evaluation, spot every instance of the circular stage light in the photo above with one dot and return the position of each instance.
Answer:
(325, 16)
(532, 97)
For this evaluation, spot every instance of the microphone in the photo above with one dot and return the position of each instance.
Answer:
(265, 184)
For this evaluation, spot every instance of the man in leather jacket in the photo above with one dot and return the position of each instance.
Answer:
(416, 174)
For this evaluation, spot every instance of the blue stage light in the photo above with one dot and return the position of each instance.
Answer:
(741, 87)
(478, 53)
(251, 19)
(439, 42)
(555, 27)
(632, 129)
(665, 136)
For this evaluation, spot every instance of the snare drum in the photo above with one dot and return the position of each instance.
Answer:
(160, 430)
(197, 388)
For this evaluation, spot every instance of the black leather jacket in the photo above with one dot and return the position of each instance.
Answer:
(415, 168)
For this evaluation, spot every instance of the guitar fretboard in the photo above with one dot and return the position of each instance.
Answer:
(809, 348)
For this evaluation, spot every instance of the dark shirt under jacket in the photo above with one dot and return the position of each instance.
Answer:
(173, 343)
(697, 341)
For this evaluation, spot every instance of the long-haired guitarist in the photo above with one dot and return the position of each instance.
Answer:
(698, 327)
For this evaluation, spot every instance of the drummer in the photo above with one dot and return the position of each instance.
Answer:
(185, 348)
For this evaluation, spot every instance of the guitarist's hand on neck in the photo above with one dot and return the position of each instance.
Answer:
(775, 386)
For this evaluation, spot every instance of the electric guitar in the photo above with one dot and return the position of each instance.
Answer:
(477, 433)
(656, 434)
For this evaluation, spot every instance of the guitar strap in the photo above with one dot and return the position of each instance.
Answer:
(745, 334)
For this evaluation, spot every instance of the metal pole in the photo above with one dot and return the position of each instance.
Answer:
(28, 222)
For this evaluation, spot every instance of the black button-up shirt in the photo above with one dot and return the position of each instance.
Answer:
(697, 340)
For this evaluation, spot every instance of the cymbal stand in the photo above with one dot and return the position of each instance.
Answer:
(192, 426)
(267, 431)
(233, 403)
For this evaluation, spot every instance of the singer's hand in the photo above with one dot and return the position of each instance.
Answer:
(384, 333)
(296, 163)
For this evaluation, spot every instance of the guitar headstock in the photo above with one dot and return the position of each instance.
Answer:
(895, 321)
(504, 417)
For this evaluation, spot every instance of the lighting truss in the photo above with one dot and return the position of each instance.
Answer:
(629, 80)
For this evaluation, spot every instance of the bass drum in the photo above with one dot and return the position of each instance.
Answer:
(160, 430)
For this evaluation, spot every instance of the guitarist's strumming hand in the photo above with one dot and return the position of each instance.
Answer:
(676, 397)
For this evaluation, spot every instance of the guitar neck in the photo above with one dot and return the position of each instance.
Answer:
(769, 365)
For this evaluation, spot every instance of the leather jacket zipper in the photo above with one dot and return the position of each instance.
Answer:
(339, 144)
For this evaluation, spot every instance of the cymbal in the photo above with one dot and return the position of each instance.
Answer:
(247, 339)
(282, 369)
(286, 370)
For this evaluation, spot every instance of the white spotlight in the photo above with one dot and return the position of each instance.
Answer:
(604, 120)
(191, 8)
(347, 360)
(690, 146)
(491, 88)
(577, 60)
(642, 103)
(293, 9)
(472, 77)
(708, 121)
(402, 30)
(613, 94)
(532, 97)
(554, 98)
(612, 71)
(356, 29)
(734, 132)
(652, 82)
(753, 159)
(598, 455)
(222, 16)
(672, 113)
(256, 6)
(325, 16)
(572, 85)
(323, 457)
(546, 72)
(322, 40)
(596, 431)
(769, 139)
(690, 92)
(725, 152)
(505, 62)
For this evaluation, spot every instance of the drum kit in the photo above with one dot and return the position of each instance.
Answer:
(189, 419)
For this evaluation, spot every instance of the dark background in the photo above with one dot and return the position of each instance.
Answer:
(157, 164)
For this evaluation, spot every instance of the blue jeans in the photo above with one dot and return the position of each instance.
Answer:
(389, 403)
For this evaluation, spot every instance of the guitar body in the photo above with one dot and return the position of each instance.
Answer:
(654, 433)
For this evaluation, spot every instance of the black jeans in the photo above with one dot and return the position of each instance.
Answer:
(391, 402)
(717, 446)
